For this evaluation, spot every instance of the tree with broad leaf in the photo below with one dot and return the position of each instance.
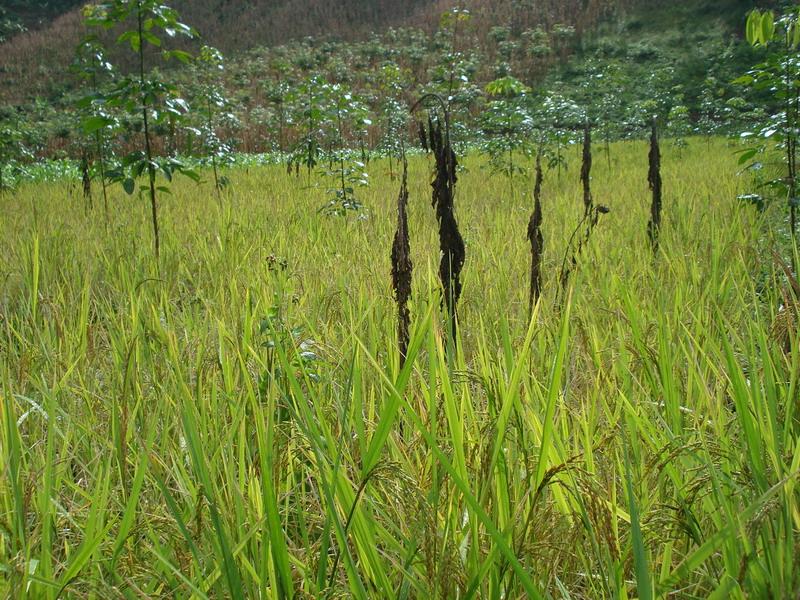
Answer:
(343, 112)
(453, 75)
(712, 110)
(679, 125)
(599, 92)
(97, 122)
(778, 75)
(278, 92)
(12, 148)
(145, 97)
(392, 113)
(332, 114)
(508, 125)
(562, 119)
(213, 110)
(9, 25)
(8, 145)
(309, 103)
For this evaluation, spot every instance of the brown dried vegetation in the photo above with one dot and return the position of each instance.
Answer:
(451, 244)
(654, 179)
(535, 237)
(402, 267)
(591, 212)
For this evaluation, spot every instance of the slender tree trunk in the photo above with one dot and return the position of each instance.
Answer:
(281, 119)
(216, 178)
(511, 163)
(791, 163)
(343, 199)
(310, 131)
(209, 124)
(791, 108)
(151, 171)
(792, 185)
(451, 83)
(98, 141)
(101, 159)
(558, 156)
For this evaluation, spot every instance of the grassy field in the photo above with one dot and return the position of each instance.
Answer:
(234, 422)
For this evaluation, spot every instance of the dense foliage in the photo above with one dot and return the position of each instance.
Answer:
(637, 61)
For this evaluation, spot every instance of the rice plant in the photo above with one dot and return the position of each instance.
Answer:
(239, 422)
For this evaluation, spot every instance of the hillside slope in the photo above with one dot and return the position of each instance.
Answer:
(607, 58)
(23, 15)
(686, 46)
(35, 63)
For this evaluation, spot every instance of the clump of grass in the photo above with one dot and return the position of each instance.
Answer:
(784, 324)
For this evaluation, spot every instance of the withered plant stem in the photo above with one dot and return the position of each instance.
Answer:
(402, 266)
(654, 179)
(535, 238)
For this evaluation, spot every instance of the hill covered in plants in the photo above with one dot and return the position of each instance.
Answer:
(614, 59)
(34, 61)
(40, 37)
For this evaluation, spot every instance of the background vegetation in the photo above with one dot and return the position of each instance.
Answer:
(608, 55)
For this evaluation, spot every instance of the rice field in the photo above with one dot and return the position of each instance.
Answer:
(233, 421)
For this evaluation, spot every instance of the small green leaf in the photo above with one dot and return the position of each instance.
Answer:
(128, 185)
(191, 175)
(133, 38)
(747, 155)
(179, 55)
(767, 27)
(753, 27)
(85, 102)
(93, 124)
(151, 39)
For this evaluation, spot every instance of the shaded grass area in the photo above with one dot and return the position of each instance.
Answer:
(236, 423)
